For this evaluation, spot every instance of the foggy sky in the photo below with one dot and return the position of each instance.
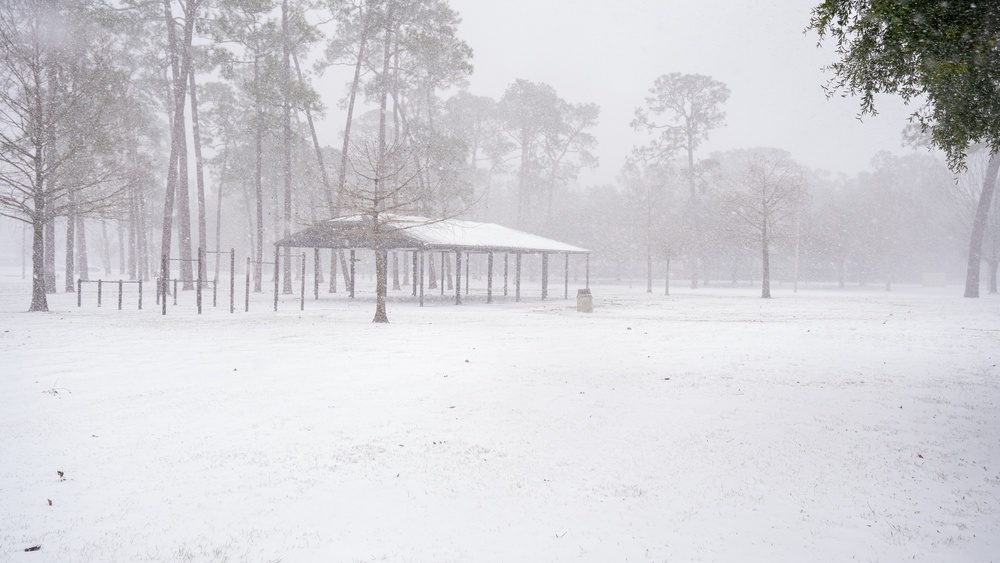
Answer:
(610, 52)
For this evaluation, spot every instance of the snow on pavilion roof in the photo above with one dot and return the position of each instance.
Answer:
(421, 233)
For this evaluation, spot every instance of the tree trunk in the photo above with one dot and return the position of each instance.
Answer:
(695, 217)
(122, 256)
(381, 256)
(70, 257)
(258, 173)
(39, 302)
(142, 241)
(286, 81)
(979, 226)
(395, 271)
(993, 276)
(346, 271)
(381, 279)
(199, 170)
(50, 255)
(406, 270)
(333, 270)
(522, 187)
(431, 272)
(666, 284)
(133, 239)
(179, 66)
(105, 248)
(218, 206)
(765, 291)
(798, 231)
(82, 264)
(342, 173)
(184, 203)
(649, 271)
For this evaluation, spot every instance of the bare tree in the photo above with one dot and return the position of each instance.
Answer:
(769, 189)
(61, 115)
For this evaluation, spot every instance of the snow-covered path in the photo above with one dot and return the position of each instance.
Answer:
(706, 426)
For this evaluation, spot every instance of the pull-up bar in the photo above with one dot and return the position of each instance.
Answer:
(100, 286)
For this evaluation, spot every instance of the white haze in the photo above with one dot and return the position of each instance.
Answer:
(609, 53)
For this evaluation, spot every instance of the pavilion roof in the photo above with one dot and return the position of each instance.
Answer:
(411, 232)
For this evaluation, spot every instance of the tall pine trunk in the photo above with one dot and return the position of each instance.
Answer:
(286, 80)
(179, 65)
(218, 206)
(258, 172)
(199, 172)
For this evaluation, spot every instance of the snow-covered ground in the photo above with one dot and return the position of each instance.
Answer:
(711, 425)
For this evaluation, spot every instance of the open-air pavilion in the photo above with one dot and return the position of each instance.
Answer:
(420, 235)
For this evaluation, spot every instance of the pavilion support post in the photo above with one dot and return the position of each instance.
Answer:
(489, 278)
(468, 261)
(444, 256)
(517, 278)
(588, 271)
(353, 260)
(421, 278)
(302, 291)
(316, 267)
(566, 296)
(545, 276)
(277, 271)
(415, 275)
(458, 277)
(506, 260)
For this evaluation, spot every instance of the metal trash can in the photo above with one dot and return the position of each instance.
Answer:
(584, 301)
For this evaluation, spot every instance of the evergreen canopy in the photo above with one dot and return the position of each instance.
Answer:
(944, 53)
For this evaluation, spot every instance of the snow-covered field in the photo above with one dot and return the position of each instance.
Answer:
(825, 425)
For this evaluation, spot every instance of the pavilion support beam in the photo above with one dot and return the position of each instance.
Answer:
(468, 261)
(566, 296)
(506, 257)
(458, 277)
(316, 269)
(517, 278)
(444, 256)
(421, 279)
(489, 278)
(545, 276)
